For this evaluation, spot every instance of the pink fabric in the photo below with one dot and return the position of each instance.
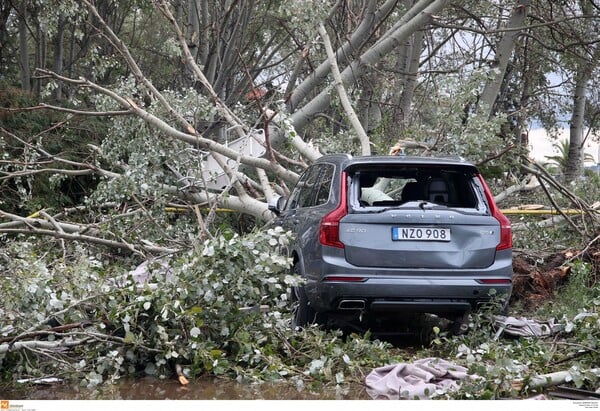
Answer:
(422, 379)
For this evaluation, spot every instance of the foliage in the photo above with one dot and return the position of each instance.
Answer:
(199, 309)
(561, 159)
(444, 125)
(188, 311)
(504, 365)
(185, 310)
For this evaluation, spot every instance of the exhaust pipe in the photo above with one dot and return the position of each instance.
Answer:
(352, 305)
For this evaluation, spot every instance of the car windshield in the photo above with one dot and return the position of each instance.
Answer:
(413, 186)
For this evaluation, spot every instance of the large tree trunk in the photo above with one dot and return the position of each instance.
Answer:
(503, 54)
(412, 21)
(410, 79)
(574, 166)
(372, 19)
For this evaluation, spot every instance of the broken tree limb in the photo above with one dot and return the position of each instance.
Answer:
(544, 177)
(564, 216)
(71, 232)
(339, 85)
(548, 380)
(69, 341)
(529, 183)
(45, 345)
(543, 174)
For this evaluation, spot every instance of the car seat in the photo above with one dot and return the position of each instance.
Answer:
(412, 191)
(437, 190)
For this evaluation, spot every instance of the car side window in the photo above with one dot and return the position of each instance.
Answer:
(323, 187)
(313, 188)
(301, 193)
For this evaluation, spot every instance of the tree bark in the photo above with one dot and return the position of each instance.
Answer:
(574, 165)
(410, 78)
(503, 55)
(59, 54)
(24, 48)
(356, 125)
(413, 20)
(372, 19)
(40, 56)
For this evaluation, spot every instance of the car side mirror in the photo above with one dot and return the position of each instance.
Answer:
(276, 204)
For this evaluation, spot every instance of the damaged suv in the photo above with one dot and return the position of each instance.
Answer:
(392, 237)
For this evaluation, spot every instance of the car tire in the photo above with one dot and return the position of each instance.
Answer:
(460, 324)
(303, 314)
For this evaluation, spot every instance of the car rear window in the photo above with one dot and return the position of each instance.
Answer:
(395, 186)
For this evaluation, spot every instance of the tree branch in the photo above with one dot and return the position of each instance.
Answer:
(339, 85)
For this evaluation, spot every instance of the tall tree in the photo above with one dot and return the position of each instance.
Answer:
(503, 54)
(24, 46)
(573, 44)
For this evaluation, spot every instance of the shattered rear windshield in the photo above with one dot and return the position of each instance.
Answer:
(377, 187)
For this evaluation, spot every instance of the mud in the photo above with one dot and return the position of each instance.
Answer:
(200, 389)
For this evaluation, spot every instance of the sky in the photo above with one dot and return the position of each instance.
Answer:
(541, 145)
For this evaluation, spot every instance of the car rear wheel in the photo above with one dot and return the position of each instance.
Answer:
(303, 314)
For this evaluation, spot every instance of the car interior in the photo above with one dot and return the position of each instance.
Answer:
(386, 188)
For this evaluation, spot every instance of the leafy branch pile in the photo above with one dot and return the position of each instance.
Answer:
(88, 320)
(83, 319)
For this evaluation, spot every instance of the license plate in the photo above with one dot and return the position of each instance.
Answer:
(420, 234)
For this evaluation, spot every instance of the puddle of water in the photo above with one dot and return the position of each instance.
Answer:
(209, 389)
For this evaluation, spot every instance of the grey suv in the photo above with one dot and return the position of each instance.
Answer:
(393, 237)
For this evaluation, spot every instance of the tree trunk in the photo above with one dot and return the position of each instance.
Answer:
(391, 40)
(372, 19)
(40, 56)
(574, 166)
(192, 33)
(410, 79)
(24, 49)
(59, 52)
(503, 54)
(352, 117)
(5, 12)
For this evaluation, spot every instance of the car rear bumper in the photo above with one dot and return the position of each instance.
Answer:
(340, 286)
(434, 296)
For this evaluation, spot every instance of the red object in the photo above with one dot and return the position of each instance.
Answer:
(255, 94)
(505, 228)
(329, 229)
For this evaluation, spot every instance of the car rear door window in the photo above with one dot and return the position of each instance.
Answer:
(323, 187)
(313, 187)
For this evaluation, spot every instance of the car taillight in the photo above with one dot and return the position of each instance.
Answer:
(345, 279)
(329, 229)
(505, 228)
(494, 281)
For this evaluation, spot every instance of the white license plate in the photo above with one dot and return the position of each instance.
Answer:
(420, 234)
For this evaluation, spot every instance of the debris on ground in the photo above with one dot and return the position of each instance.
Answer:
(422, 379)
(524, 327)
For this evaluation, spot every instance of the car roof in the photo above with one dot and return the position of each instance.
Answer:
(348, 161)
